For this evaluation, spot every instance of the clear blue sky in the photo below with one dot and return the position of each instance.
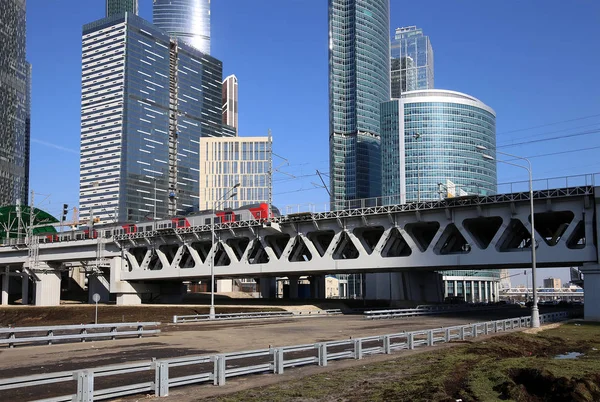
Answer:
(535, 62)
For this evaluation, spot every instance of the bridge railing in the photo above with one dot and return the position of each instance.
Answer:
(590, 179)
(49, 334)
(215, 369)
(427, 310)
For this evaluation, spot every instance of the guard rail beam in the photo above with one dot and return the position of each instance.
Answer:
(179, 319)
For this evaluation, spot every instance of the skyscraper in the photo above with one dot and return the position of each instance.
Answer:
(15, 88)
(230, 101)
(412, 61)
(359, 80)
(186, 20)
(146, 101)
(115, 7)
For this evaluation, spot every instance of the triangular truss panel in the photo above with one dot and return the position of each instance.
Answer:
(452, 242)
(552, 225)
(155, 263)
(577, 239)
(299, 251)
(186, 259)
(221, 257)
(396, 246)
(278, 243)
(203, 248)
(516, 237)
(257, 254)
(483, 229)
(321, 240)
(422, 233)
(169, 250)
(238, 245)
(369, 236)
(138, 253)
(345, 249)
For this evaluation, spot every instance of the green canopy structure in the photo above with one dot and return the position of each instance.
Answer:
(12, 227)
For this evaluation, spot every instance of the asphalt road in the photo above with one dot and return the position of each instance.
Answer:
(208, 338)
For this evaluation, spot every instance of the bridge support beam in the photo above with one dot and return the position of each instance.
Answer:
(128, 299)
(591, 282)
(293, 286)
(47, 288)
(24, 289)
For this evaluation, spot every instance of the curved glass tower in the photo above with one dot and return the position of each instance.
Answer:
(186, 20)
(428, 145)
(359, 80)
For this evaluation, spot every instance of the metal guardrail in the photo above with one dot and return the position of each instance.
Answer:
(427, 310)
(74, 332)
(179, 319)
(216, 369)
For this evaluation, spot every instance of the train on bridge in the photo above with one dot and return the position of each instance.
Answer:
(246, 213)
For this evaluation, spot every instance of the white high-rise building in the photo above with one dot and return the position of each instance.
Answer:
(230, 101)
(225, 162)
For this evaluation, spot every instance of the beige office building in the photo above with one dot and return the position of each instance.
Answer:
(227, 161)
(552, 283)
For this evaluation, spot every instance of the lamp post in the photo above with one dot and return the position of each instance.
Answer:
(229, 194)
(535, 313)
(416, 136)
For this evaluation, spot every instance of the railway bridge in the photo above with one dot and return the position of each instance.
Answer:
(473, 232)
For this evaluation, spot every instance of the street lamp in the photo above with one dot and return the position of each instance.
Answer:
(416, 136)
(535, 313)
(228, 195)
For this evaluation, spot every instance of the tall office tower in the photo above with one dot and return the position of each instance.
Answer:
(186, 20)
(146, 101)
(15, 88)
(428, 141)
(230, 101)
(412, 61)
(359, 80)
(225, 162)
(115, 7)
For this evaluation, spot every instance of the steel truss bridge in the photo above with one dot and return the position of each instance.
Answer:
(459, 233)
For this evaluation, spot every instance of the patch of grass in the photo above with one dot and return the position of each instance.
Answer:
(517, 366)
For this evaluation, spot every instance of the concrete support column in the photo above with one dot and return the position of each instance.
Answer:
(293, 286)
(5, 282)
(317, 286)
(455, 288)
(480, 294)
(591, 282)
(472, 292)
(100, 285)
(47, 288)
(464, 295)
(128, 299)
(485, 291)
(24, 289)
(267, 288)
(446, 289)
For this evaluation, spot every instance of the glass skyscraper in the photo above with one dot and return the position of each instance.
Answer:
(428, 145)
(114, 7)
(230, 101)
(186, 20)
(359, 80)
(15, 89)
(412, 61)
(146, 101)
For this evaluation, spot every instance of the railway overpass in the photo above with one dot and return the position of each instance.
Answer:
(472, 232)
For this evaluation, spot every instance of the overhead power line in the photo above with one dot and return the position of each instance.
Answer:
(550, 124)
(560, 137)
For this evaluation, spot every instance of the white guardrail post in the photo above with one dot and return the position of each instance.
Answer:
(322, 353)
(85, 386)
(161, 378)
(358, 355)
(277, 360)
(220, 368)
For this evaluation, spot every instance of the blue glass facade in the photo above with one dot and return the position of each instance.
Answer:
(116, 7)
(428, 146)
(146, 101)
(15, 88)
(186, 20)
(412, 61)
(359, 81)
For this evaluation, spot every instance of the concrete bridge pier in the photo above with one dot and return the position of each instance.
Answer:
(47, 286)
(268, 288)
(97, 283)
(24, 289)
(317, 286)
(293, 286)
(591, 282)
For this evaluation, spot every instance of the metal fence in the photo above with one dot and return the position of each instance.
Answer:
(81, 332)
(428, 310)
(168, 373)
(179, 319)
